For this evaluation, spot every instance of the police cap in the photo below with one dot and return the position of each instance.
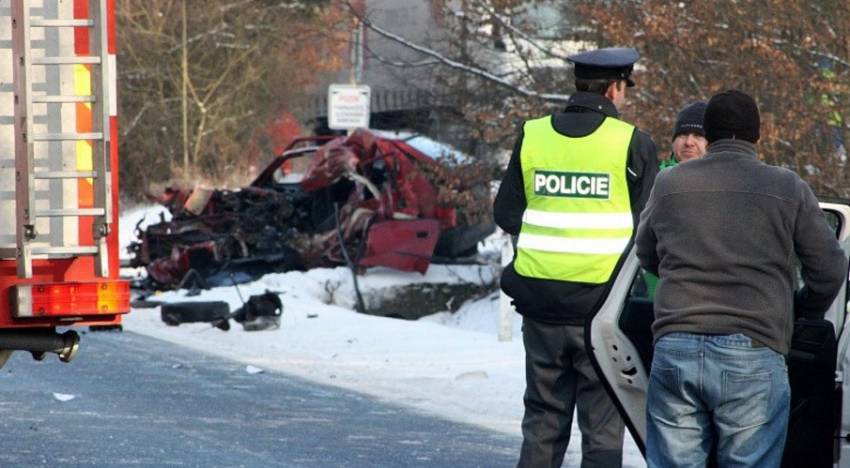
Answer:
(614, 63)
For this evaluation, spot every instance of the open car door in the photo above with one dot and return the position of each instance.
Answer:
(619, 341)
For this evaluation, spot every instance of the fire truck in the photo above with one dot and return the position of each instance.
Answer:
(59, 173)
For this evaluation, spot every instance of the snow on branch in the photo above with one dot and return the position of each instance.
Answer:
(816, 53)
(399, 63)
(442, 59)
(522, 35)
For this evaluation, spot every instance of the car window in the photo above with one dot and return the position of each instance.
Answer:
(834, 221)
(643, 285)
(292, 170)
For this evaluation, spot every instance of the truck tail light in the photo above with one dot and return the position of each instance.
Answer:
(70, 299)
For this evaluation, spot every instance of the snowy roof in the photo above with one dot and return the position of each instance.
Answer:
(426, 145)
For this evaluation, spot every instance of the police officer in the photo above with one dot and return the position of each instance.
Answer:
(572, 192)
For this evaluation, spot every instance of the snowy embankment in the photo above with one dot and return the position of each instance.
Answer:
(448, 364)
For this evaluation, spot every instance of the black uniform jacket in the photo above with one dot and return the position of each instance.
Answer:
(563, 302)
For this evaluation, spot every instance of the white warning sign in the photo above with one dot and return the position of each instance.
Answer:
(348, 106)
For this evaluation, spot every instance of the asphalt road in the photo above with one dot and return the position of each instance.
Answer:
(143, 402)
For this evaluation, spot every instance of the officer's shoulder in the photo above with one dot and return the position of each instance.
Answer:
(641, 141)
(537, 120)
(640, 134)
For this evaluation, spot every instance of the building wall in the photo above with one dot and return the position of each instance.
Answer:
(393, 88)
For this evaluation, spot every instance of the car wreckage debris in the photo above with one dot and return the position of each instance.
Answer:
(216, 312)
(398, 208)
(260, 312)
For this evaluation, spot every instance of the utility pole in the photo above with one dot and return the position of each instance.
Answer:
(185, 66)
(355, 71)
(358, 71)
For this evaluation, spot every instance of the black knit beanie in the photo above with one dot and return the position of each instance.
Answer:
(732, 114)
(690, 120)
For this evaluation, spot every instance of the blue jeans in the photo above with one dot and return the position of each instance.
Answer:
(716, 392)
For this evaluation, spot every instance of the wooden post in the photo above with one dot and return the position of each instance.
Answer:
(506, 310)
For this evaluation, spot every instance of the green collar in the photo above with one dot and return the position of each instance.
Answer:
(669, 162)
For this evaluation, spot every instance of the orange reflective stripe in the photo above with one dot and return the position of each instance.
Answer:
(82, 87)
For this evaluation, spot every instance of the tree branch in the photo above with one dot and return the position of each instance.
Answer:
(522, 35)
(398, 63)
(442, 59)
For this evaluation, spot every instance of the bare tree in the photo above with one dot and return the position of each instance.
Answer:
(490, 67)
(247, 59)
(793, 56)
(496, 66)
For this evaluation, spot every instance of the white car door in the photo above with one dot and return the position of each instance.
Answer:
(620, 344)
(842, 373)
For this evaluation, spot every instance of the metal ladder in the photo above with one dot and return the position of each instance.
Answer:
(26, 213)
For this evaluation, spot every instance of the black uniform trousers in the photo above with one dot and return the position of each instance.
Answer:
(559, 377)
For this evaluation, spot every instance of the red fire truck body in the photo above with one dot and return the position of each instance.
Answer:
(58, 174)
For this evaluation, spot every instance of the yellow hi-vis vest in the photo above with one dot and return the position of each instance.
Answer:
(578, 220)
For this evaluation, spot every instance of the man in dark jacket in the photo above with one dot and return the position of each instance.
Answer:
(688, 135)
(572, 192)
(688, 143)
(721, 233)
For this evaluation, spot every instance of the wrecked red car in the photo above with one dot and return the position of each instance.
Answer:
(364, 200)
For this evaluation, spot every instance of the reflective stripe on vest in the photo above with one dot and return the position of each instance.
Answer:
(578, 219)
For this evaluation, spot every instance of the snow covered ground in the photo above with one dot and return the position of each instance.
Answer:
(448, 364)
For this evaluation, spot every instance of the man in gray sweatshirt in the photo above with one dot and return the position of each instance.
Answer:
(721, 232)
